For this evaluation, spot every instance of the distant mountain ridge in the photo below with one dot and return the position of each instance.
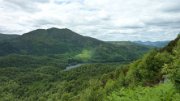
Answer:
(54, 41)
(130, 43)
(158, 44)
(7, 36)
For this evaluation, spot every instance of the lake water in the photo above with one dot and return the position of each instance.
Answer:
(80, 64)
(73, 66)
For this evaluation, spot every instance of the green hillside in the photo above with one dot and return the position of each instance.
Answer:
(4, 37)
(154, 77)
(50, 41)
(28, 76)
(69, 46)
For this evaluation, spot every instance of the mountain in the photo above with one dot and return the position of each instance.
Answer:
(156, 74)
(50, 41)
(7, 36)
(128, 43)
(158, 44)
(153, 77)
(171, 45)
(122, 42)
(157, 64)
(79, 48)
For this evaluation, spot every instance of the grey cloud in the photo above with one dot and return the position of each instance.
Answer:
(172, 7)
(132, 27)
(120, 36)
(22, 2)
(173, 23)
(89, 9)
(144, 20)
(5, 30)
(67, 1)
(41, 22)
(125, 27)
(143, 36)
(25, 5)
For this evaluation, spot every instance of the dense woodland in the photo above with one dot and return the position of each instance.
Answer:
(32, 69)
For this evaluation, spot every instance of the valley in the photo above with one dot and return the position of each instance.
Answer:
(89, 50)
(61, 65)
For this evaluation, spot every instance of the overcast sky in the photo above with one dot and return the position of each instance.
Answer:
(144, 20)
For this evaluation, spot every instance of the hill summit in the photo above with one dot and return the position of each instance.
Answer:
(55, 41)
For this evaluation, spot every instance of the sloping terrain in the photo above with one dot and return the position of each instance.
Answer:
(153, 77)
(72, 47)
(4, 37)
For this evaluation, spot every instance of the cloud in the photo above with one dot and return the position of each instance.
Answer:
(27, 5)
(102, 19)
(5, 30)
(160, 22)
(67, 1)
(172, 7)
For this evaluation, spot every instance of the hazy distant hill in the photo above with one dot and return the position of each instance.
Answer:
(159, 44)
(128, 43)
(7, 36)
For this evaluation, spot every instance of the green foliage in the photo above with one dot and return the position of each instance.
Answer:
(37, 71)
(157, 66)
(28, 61)
(55, 41)
(32, 66)
(4, 37)
(154, 77)
(84, 56)
(50, 83)
(162, 92)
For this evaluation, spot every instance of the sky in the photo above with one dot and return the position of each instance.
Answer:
(108, 20)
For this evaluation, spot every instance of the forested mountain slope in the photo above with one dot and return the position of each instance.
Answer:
(4, 37)
(68, 46)
(154, 77)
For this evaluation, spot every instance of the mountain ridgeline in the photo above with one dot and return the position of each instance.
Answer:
(7, 36)
(50, 41)
(157, 44)
(33, 68)
(73, 47)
